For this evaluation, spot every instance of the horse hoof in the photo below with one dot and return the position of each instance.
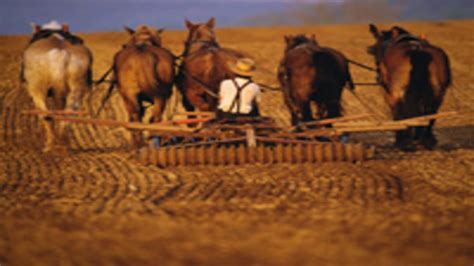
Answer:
(429, 143)
(406, 146)
(323, 139)
(155, 142)
(344, 138)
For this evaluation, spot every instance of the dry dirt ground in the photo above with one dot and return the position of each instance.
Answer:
(98, 206)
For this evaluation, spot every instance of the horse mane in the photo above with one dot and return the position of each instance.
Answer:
(43, 34)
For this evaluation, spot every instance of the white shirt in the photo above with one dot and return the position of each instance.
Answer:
(228, 92)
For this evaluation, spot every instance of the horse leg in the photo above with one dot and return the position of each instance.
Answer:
(288, 99)
(198, 101)
(303, 111)
(60, 104)
(159, 104)
(38, 92)
(134, 113)
(333, 109)
(403, 138)
(292, 107)
(187, 104)
(400, 105)
(306, 111)
(428, 139)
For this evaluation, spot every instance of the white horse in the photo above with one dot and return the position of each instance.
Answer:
(56, 63)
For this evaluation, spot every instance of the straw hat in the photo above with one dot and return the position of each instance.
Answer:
(243, 67)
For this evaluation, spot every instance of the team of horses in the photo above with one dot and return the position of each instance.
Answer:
(414, 74)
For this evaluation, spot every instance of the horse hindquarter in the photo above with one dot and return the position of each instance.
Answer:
(300, 75)
(78, 75)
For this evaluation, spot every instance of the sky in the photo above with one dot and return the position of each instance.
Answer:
(110, 15)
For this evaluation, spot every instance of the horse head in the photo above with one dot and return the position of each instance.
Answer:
(383, 38)
(144, 35)
(293, 41)
(201, 33)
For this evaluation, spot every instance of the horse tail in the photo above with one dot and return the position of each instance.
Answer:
(327, 67)
(420, 88)
(147, 76)
(329, 82)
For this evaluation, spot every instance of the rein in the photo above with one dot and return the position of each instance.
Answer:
(361, 65)
(206, 87)
(104, 77)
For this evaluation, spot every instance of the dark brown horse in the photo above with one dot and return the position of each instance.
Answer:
(204, 67)
(144, 72)
(311, 73)
(415, 76)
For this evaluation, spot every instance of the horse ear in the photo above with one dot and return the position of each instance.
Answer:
(65, 27)
(374, 30)
(288, 38)
(35, 27)
(188, 24)
(211, 22)
(129, 30)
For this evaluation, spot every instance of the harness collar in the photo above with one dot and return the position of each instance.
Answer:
(305, 45)
(408, 38)
(43, 34)
(209, 43)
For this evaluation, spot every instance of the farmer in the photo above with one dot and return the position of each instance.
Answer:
(238, 96)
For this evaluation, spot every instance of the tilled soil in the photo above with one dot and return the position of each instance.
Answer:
(97, 205)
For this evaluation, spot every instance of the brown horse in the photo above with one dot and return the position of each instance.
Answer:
(312, 73)
(205, 65)
(56, 63)
(415, 75)
(144, 72)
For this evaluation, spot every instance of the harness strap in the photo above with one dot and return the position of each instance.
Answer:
(237, 95)
(43, 34)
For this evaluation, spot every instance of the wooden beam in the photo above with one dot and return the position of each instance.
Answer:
(54, 112)
(334, 120)
(430, 117)
(286, 141)
(197, 113)
(380, 128)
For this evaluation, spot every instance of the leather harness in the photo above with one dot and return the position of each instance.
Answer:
(43, 34)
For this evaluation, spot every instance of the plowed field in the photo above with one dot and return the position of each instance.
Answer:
(99, 206)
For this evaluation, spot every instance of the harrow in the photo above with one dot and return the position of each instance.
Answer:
(248, 140)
